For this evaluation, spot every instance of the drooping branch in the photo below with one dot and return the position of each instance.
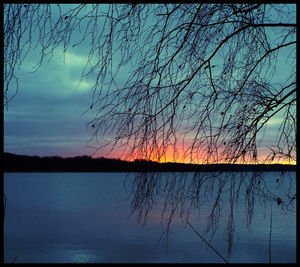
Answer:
(201, 75)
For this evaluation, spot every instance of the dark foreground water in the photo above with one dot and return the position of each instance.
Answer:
(106, 217)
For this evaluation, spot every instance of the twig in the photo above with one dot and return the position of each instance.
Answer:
(207, 242)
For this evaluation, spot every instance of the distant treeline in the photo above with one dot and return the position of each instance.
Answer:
(23, 163)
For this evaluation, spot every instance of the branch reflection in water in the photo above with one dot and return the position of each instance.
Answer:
(207, 197)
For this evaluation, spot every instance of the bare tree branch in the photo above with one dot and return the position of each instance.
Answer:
(202, 80)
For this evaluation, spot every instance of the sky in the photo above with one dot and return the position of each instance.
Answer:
(47, 116)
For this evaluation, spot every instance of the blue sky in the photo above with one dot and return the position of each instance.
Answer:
(47, 117)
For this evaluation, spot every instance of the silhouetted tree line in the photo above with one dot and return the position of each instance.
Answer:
(15, 163)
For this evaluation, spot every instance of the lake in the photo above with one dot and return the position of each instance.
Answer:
(167, 217)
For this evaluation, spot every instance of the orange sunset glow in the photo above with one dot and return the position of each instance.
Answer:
(183, 155)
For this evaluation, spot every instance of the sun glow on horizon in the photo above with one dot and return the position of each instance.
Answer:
(169, 157)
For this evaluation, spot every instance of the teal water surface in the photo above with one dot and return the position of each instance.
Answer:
(115, 217)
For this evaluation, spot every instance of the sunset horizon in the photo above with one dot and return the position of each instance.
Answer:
(150, 133)
(283, 162)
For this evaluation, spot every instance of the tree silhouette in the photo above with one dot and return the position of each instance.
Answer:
(209, 197)
(204, 77)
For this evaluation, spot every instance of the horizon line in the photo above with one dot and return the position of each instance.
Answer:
(294, 163)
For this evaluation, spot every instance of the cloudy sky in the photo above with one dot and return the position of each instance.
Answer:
(47, 116)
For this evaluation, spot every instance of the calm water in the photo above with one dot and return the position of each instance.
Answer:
(106, 217)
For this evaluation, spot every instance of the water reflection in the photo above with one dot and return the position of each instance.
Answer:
(216, 200)
(108, 217)
(81, 256)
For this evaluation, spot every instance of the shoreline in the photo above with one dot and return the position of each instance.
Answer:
(23, 163)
